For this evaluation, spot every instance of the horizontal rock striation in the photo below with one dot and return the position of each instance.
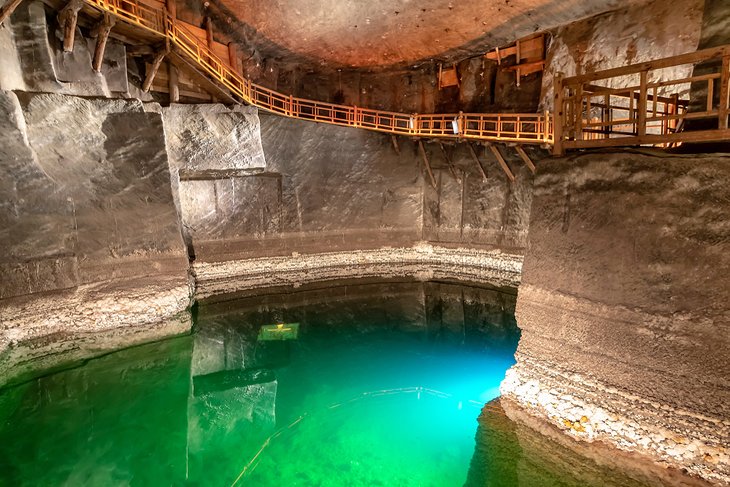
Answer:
(623, 306)
(40, 332)
(424, 262)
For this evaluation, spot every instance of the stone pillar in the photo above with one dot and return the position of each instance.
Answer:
(623, 305)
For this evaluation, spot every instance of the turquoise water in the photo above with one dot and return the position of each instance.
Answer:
(382, 387)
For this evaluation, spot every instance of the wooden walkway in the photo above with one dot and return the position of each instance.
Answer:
(645, 104)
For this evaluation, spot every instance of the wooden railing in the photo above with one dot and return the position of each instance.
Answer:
(528, 128)
(627, 106)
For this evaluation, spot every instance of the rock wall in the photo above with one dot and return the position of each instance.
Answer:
(423, 262)
(637, 33)
(89, 229)
(329, 188)
(623, 305)
(215, 157)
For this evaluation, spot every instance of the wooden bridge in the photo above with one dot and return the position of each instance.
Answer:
(625, 106)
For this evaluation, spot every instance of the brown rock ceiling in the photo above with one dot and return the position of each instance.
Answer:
(377, 33)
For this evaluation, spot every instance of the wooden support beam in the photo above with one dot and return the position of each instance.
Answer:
(171, 7)
(233, 57)
(8, 9)
(150, 76)
(209, 32)
(528, 162)
(724, 107)
(452, 169)
(502, 162)
(67, 18)
(558, 114)
(476, 159)
(101, 32)
(394, 141)
(428, 165)
(642, 107)
(173, 82)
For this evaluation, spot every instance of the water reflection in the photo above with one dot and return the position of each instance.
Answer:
(382, 386)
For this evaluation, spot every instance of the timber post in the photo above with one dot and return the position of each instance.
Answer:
(67, 18)
(102, 31)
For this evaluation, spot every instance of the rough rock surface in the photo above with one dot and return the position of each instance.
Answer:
(106, 209)
(87, 220)
(424, 262)
(623, 306)
(41, 332)
(333, 188)
(625, 37)
(213, 137)
(381, 32)
(215, 154)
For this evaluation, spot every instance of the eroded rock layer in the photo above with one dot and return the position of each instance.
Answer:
(424, 262)
(623, 306)
(93, 255)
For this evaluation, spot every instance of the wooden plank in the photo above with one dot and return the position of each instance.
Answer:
(502, 162)
(530, 47)
(448, 77)
(171, 7)
(724, 93)
(577, 102)
(653, 139)
(688, 58)
(8, 9)
(233, 57)
(428, 165)
(641, 128)
(102, 31)
(476, 159)
(710, 94)
(527, 68)
(558, 114)
(526, 158)
(209, 32)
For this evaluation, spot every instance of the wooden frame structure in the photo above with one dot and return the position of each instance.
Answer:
(597, 109)
(529, 55)
(527, 128)
(626, 106)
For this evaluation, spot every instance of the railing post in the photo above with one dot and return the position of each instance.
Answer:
(641, 128)
(578, 112)
(546, 126)
(724, 92)
(558, 108)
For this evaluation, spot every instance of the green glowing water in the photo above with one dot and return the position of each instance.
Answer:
(382, 387)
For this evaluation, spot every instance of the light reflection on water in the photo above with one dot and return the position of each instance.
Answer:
(383, 386)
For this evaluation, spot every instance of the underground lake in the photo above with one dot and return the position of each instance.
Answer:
(373, 384)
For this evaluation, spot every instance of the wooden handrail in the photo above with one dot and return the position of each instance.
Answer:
(565, 129)
(528, 128)
(602, 115)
